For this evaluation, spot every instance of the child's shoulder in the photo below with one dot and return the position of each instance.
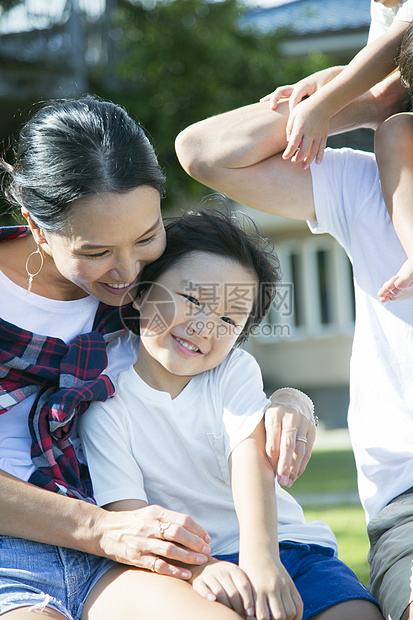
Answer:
(237, 362)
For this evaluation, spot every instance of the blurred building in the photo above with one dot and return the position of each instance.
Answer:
(336, 28)
(46, 51)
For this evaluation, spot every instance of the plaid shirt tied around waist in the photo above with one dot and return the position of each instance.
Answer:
(65, 378)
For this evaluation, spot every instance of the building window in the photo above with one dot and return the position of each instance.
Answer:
(315, 298)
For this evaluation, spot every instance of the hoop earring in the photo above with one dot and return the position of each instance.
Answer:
(33, 275)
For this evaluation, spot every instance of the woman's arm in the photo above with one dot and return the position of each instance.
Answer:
(133, 538)
(255, 503)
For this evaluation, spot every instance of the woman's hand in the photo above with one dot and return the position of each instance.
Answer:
(153, 538)
(290, 434)
(226, 583)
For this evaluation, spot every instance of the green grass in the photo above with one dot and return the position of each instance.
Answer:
(328, 470)
(332, 471)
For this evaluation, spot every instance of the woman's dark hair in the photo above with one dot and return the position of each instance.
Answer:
(223, 234)
(406, 59)
(72, 149)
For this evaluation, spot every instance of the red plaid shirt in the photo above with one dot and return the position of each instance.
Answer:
(65, 378)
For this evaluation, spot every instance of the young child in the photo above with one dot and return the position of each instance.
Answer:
(332, 89)
(185, 431)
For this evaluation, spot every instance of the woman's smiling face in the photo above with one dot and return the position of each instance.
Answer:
(107, 241)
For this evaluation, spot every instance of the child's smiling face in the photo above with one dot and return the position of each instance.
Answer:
(212, 299)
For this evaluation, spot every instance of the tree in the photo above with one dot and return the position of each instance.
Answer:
(6, 5)
(181, 61)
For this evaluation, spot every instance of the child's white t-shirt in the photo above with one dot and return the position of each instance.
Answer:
(382, 17)
(141, 444)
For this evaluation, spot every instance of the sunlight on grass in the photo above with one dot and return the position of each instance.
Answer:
(328, 470)
(331, 472)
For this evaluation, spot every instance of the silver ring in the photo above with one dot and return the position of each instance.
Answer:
(300, 438)
(162, 528)
(153, 565)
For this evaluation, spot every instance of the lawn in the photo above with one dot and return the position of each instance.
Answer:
(330, 472)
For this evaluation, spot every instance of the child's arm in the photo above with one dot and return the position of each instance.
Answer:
(308, 123)
(255, 503)
(394, 154)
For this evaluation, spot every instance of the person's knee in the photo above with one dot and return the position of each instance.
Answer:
(394, 131)
(408, 613)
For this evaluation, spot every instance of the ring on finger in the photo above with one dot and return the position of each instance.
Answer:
(162, 528)
(301, 438)
(153, 565)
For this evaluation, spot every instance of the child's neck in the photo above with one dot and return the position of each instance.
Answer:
(157, 377)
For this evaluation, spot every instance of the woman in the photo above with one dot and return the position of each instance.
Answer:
(87, 181)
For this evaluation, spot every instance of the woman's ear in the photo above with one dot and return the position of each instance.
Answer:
(37, 232)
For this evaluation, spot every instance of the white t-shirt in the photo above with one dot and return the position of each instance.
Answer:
(59, 319)
(382, 17)
(141, 444)
(349, 206)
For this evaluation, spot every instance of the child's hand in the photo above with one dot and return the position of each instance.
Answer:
(226, 583)
(293, 92)
(304, 88)
(400, 286)
(307, 132)
(274, 591)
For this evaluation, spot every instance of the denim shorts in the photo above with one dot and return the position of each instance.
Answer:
(321, 579)
(37, 575)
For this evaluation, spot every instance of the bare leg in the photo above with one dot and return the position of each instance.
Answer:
(408, 613)
(24, 613)
(123, 594)
(394, 153)
(351, 609)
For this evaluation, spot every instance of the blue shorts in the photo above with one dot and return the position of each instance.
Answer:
(321, 579)
(37, 575)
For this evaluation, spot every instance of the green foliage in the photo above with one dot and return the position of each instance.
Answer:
(183, 61)
(6, 5)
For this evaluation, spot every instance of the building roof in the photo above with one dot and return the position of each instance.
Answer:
(306, 17)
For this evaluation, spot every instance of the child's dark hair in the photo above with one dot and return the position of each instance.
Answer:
(75, 148)
(223, 234)
(406, 59)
